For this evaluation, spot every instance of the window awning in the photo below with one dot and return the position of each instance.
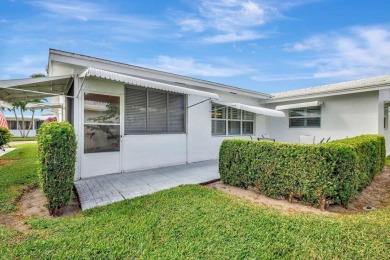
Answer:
(253, 109)
(30, 88)
(299, 105)
(92, 72)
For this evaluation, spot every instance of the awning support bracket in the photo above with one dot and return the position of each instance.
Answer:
(199, 103)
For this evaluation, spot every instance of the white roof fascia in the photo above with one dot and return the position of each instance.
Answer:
(146, 73)
(93, 72)
(253, 109)
(299, 105)
(357, 86)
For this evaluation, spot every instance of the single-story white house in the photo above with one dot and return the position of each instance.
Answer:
(130, 118)
(15, 128)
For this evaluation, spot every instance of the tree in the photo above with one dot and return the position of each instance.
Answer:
(21, 105)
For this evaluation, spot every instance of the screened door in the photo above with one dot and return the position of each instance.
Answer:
(102, 134)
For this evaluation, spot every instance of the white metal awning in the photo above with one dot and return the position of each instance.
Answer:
(299, 105)
(35, 106)
(253, 109)
(30, 88)
(92, 72)
(4, 104)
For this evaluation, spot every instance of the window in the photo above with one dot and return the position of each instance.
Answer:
(101, 123)
(305, 117)
(231, 121)
(149, 111)
(12, 125)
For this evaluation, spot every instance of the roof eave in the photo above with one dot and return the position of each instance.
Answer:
(329, 93)
(169, 77)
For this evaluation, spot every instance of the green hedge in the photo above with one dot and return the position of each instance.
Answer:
(320, 174)
(57, 156)
(5, 136)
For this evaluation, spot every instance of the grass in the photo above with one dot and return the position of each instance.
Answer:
(18, 175)
(18, 139)
(387, 163)
(196, 222)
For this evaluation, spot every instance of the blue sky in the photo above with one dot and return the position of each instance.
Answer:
(268, 46)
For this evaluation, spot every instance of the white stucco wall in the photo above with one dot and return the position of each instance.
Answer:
(201, 144)
(342, 116)
(17, 133)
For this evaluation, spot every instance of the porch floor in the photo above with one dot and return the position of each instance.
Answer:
(107, 189)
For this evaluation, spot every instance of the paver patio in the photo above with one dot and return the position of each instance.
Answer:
(107, 189)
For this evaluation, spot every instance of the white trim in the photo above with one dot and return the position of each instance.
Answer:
(356, 86)
(253, 109)
(299, 105)
(92, 72)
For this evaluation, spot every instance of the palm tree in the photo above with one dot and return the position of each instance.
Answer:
(21, 105)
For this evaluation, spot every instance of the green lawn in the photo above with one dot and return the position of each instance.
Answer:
(17, 176)
(196, 222)
(17, 139)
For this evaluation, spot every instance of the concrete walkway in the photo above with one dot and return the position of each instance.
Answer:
(107, 189)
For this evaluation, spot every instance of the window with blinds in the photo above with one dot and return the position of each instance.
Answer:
(149, 111)
(305, 117)
(231, 121)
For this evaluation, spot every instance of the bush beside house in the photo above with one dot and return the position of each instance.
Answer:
(57, 157)
(5, 136)
(334, 172)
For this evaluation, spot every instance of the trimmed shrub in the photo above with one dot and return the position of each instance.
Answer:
(320, 174)
(57, 156)
(5, 136)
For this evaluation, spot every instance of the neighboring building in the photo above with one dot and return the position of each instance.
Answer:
(129, 118)
(15, 129)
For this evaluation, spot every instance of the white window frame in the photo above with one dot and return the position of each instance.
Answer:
(226, 120)
(305, 117)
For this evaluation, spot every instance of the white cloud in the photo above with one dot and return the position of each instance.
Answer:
(356, 52)
(282, 77)
(26, 66)
(191, 24)
(91, 11)
(233, 20)
(233, 37)
(191, 67)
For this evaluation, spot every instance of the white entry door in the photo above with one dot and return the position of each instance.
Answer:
(102, 134)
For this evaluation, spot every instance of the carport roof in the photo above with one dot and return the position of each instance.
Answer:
(30, 88)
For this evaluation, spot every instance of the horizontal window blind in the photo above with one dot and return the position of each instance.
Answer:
(148, 111)
(176, 106)
(305, 117)
(135, 110)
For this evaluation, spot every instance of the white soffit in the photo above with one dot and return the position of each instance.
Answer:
(253, 109)
(30, 88)
(299, 105)
(92, 72)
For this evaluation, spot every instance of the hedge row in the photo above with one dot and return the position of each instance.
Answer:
(318, 175)
(57, 156)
